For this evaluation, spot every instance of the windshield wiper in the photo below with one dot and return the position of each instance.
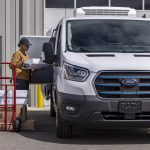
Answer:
(128, 45)
(83, 49)
(118, 44)
(139, 46)
(78, 49)
(133, 51)
(115, 43)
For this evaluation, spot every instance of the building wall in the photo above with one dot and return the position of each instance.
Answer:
(33, 16)
(140, 13)
(52, 16)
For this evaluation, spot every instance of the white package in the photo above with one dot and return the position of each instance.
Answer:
(35, 63)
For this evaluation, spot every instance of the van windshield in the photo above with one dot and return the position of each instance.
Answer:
(108, 36)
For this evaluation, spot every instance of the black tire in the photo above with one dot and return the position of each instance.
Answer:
(17, 125)
(63, 128)
(52, 110)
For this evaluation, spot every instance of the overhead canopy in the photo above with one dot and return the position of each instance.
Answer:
(70, 3)
(137, 4)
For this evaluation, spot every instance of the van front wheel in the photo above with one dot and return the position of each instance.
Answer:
(63, 128)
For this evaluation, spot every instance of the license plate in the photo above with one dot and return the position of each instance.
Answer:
(130, 107)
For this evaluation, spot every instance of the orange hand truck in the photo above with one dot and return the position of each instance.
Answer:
(16, 121)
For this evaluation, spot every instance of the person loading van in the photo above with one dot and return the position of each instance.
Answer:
(18, 59)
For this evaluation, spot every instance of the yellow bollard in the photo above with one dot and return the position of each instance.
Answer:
(40, 97)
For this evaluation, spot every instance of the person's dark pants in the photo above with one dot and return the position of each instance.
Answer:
(22, 84)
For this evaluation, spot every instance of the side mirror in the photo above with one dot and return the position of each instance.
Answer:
(49, 53)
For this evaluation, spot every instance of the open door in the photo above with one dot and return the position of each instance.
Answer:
(43, 74)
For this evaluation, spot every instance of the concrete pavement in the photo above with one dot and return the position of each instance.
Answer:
(44, 137)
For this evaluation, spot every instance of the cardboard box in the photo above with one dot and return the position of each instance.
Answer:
(28, 125)
(21, 112)
(10, 127)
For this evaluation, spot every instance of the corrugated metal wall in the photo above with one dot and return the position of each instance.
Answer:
(19, 17)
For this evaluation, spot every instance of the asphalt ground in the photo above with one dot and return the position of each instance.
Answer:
(44, 138)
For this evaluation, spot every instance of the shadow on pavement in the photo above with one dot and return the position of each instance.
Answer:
(45, 131)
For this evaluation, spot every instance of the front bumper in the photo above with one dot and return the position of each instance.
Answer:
(90, 110)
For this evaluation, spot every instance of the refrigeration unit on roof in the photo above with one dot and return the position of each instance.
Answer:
(107, 11)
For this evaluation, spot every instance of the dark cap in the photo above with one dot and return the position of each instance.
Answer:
(24, 41)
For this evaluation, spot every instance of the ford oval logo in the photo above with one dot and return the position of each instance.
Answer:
(129, 82)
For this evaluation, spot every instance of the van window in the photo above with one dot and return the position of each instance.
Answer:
(58, 44)
(108, 36)
(59, 39)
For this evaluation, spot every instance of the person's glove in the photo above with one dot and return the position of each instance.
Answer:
(24, 65)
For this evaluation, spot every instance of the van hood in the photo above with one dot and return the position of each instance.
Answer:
(109, 61)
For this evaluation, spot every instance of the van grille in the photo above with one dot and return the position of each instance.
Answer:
(108, 84)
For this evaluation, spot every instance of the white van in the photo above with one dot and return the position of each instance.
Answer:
(101, 63)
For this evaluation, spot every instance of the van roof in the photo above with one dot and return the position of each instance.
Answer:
(107, 17)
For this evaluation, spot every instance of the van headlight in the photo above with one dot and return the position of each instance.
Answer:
(75, 73)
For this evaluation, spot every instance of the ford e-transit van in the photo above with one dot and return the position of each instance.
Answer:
(101, 64)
